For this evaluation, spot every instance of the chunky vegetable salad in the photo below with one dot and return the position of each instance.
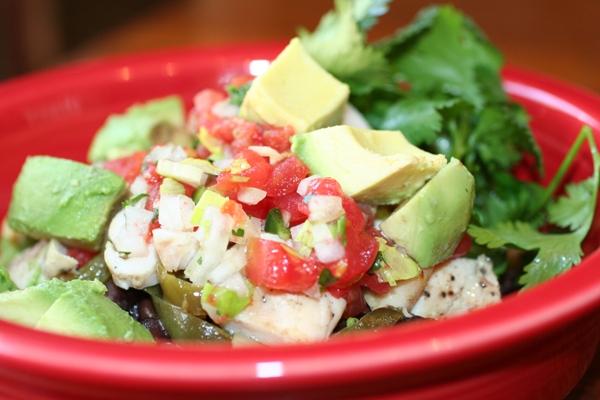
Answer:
(350, 186)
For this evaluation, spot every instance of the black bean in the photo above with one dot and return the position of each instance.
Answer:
(156, 328)
(146, 309)
(125, 299)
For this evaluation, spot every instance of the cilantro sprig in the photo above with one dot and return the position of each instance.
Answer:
(437, 80)
(554, 252)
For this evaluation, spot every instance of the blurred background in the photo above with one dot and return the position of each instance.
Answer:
(557, 37)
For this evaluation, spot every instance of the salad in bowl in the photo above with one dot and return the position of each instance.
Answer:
(345, 186)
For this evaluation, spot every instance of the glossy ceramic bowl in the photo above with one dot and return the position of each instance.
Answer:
(534, 345)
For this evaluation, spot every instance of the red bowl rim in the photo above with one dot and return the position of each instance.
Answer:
(407, 350)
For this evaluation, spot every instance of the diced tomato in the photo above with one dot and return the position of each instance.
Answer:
(222, 129)
(372, 282)
(154, 180)
(82, 256)
(248, 169)
(127, 167)
(241, 80)
(245, 134)
(355, 301)
(463, 246)
(285, 177)
(361, 251)
(294, 204)
(207, 98)
(259, 210)
(355, 221)
(275, 265)
(202, 152)
(277, 137)
(236, 211)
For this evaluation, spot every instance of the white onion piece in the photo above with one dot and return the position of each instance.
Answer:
(329, 251)
(266, 151)
(250, 195)
(225, 109)
(303, 185)
(139, 186)
(321, 233)
(167, 151)
(213, 235)
(223, 163)
(325, 208)
(233, 262)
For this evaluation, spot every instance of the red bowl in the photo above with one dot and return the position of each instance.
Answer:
(535, 344)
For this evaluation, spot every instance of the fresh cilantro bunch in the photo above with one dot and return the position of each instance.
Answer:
(438, 81)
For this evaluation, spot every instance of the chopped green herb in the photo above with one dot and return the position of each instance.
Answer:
(237, 93)
(438, 81)
(554, 252)
(123, 254)
(133, 201)
(238, 232)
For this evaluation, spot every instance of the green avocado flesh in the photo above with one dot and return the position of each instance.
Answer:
(64, 199)
(134, 130)
(376, 167)
(77, 308)
(431, 223)
(296, 91)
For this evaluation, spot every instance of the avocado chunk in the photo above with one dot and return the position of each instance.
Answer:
(139, 127)
(431, 223)
(77, 308)
(64, 199)
(376, 167)
(296, 91)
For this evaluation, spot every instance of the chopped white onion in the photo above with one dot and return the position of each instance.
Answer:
(325, 208)
(266, 151)
(233, 261)
(303, 185)
(167, 151)
(329, 251)
(225, 109)
(250, 195)
(321, 233)
(223, 163)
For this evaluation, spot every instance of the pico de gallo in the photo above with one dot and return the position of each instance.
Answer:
(220, 225)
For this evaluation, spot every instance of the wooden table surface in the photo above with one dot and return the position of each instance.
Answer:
(555, 37)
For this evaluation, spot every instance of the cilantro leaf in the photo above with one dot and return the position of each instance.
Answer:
(556, 252)
(339, 45)
(237, 93)
(366, 12)
(418, 118)
(445, 56)
(573, 210)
